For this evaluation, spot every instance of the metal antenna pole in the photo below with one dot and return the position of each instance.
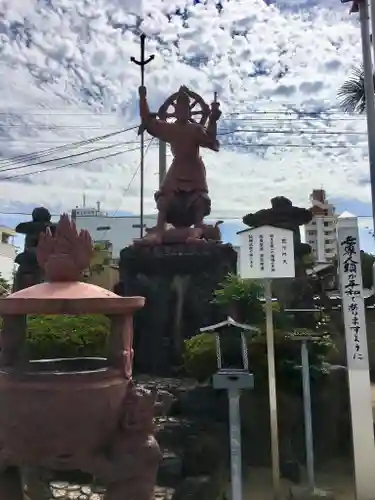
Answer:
(142, 63)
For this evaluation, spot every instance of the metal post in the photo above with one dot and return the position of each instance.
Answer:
(307, 414)
(162, 161)
(142, 62)
(272, 390)
(235, 443)
(369, 87)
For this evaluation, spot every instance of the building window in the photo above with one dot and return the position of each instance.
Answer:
(5, 238)
(103, 228)
(311, 233)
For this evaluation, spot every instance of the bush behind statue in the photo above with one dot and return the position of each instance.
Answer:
(67, 336)
(244, 298)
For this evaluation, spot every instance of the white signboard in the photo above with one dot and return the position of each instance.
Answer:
(266, 252)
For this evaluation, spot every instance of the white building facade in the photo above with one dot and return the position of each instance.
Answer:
(111, 232)
(320, 233)
(8, 253)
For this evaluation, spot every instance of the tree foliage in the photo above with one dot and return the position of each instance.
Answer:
(200, 352)
(5, 287)
(351, 94)
(367, 262)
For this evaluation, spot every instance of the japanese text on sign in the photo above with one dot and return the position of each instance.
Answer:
(266, 252)
(284, 251)
(261, 252)
(251, 251)
(352, 291)
(272, 253)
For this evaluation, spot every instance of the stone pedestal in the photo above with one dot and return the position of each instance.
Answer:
(178, 281)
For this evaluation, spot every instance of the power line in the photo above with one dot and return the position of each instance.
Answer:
(290, 131)
(265, 131)
(212, 216)
(68, 165)
(65, 157)
(68, 146)
(281, 110)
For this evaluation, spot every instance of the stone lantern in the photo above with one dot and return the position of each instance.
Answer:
(74, 414)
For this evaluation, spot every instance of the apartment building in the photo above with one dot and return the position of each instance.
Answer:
(320, 233)
(8, 253)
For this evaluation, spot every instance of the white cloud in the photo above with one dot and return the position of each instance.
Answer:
(66, 75)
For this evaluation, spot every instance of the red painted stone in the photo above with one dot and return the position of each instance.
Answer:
(62, 413)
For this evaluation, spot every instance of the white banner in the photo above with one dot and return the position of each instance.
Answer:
(353, 306)
(352, 294)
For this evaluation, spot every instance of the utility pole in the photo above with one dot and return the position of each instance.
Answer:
(369, 90)
(362, 7)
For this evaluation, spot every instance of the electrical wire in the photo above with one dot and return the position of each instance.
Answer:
(67, 166)
(71, 145)
(95, 150)
(135, 172)
(212, 216)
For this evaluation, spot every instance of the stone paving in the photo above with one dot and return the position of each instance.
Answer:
(66, 491)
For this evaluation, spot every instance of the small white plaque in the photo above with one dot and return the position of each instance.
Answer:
(266, 253)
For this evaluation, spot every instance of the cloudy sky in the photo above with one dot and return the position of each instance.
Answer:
(66, 76)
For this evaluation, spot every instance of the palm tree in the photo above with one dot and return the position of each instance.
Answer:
(351, 94)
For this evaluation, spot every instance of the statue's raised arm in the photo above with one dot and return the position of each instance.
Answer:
(149, 121)
(208, 135)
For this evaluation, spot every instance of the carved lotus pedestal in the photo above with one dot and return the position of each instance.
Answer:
(74, 414)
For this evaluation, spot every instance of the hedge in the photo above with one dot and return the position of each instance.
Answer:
(67, 336)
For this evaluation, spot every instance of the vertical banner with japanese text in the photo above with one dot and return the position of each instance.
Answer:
(354, 315)
(352, 298)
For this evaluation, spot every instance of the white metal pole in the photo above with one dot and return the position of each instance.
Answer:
(353, 307)
(235, 443)
(369, 87)
(272, 389)
(309, 443)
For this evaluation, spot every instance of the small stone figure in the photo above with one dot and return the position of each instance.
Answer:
(182, 199)
(29, 272)
(285, 215)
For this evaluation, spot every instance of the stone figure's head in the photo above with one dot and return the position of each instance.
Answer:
(182, 108)
(41, 214)
(281, 203)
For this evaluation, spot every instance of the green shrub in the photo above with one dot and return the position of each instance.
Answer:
(67, 336)
(244, 298)
(200, 357)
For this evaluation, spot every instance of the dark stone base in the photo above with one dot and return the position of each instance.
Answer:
(178, 282)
